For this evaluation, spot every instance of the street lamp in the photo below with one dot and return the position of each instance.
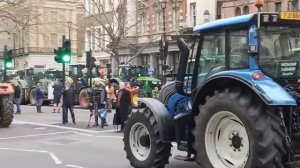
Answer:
(69, 22)
(163, 4)
(206, 16)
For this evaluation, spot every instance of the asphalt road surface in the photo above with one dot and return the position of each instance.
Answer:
(41, 141)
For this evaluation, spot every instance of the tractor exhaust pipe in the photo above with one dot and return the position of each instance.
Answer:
(183, 61)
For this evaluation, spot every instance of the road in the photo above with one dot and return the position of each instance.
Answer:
(41, 141)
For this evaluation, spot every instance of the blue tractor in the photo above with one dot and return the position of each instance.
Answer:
(235, 101)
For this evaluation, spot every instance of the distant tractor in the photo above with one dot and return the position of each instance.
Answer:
(81, 83)
(6, 104)
(235, 106)
(137, 75)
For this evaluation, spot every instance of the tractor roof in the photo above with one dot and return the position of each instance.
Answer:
(227, 23)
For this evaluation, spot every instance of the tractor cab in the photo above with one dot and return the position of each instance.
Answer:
(129, 72)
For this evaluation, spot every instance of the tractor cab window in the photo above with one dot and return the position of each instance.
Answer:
(239, 50)
(213, 52)
(279, 52)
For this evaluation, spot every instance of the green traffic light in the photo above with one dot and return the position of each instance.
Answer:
(66, 58)
(8, 64)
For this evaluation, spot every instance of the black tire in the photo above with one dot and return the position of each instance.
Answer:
(266, 137)
(160, 151)
(7, 111)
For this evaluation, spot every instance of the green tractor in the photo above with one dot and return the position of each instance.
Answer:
(138, 76)
(79, 77)
(29, 78)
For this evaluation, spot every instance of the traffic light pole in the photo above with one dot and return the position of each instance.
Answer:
(5, 69)
(63, 64)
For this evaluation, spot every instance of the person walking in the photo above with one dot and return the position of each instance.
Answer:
(68, 103)
(39, 94)
(123, 105)
(98, 101)
(111, 96)
(17, 96)
(57, 91)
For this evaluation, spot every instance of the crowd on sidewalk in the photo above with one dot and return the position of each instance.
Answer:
(102, 98)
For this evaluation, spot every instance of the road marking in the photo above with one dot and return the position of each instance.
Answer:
(63, 127)
(40, 128)
(52, 155)
(74, 166)
(118, 137)
(55, 158)
(36, 135)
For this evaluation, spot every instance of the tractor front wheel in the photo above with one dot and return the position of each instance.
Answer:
(233, 129)
(6, 111)
(32, 97)
(142, 144)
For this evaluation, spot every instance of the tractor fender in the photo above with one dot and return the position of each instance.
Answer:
(164, 120)
(268, 90)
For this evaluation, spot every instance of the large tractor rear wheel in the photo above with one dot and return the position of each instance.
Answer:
(6, 111)
(143, 146)
(235, 130)
(83, 98)
(32, 97)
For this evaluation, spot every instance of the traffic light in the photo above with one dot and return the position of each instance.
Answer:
(57, 53)
(66, 51)
(8, 61)
(90, 60)
(63, 54)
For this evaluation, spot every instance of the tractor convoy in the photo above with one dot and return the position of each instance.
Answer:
(235, 101)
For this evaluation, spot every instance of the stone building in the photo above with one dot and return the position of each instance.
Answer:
(232, 8)
(40, 30)
(151, 18)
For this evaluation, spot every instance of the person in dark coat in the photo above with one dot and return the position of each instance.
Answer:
(68, 104)
(39, 94)
(123, 105)
(98, 101)
(57, 90)
(17, 96)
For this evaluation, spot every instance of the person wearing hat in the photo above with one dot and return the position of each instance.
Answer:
(98, 101)
(68, 103)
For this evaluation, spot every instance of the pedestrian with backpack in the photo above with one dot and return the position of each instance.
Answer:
(39, 94)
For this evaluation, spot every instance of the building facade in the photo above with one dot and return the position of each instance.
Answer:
(199, 12)
(232, 8)
(41, 30)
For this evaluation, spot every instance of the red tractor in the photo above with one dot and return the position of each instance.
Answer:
(6, 104)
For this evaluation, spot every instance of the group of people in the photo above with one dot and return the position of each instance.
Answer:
(101, 97)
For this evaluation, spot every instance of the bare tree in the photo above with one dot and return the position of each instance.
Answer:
(113, 16)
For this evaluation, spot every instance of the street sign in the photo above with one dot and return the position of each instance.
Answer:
(290, 15)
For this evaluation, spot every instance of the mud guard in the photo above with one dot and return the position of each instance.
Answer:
(163, 118)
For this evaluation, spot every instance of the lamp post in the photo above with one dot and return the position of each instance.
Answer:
(206, 16)
(69, 22)
(163, 4)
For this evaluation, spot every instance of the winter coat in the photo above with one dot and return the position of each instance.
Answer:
(68, 97)
(57, 91)
(39, 92)
(17, 91)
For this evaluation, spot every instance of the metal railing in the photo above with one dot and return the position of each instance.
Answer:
(34, 50)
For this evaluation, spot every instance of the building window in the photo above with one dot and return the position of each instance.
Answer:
(54, 40)
(295, 5)
(193, 15)
(175, 18)
(143, 24)
(159, 21)
(238, 11)
(278, 6)
(219, 10)
(246, 10)
(53, 16)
